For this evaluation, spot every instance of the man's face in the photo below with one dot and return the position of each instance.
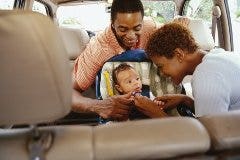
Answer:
(128, 81)
(128, 27)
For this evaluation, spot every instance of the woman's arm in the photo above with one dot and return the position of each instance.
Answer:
(173, 100)
(148, 107)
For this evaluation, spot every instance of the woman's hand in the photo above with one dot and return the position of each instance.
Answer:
(173, 100)
(148, 107)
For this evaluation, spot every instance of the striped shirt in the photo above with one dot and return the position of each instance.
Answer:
(101, 48)
(215, 83)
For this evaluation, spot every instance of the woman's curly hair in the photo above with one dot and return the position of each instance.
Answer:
(169, 37)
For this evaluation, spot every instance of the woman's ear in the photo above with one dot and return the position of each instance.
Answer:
(180, 54)
(118, 88)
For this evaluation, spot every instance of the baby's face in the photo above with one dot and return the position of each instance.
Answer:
(129, 81)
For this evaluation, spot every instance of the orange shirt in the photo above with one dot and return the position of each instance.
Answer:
(101, 48)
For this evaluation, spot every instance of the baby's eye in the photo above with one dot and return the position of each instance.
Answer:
(129, 81)
(138, 79)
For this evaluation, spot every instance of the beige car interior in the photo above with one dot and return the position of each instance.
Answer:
(36, 88)
(75, 41)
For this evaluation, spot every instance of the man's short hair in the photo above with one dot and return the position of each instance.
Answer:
(126, 6)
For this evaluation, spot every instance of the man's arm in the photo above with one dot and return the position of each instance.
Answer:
(115, 107)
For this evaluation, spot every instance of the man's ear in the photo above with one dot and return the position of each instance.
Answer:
(180, 54)
(118, 88)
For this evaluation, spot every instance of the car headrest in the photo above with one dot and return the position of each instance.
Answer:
(34, 69)
(75, 41)
(202, 34)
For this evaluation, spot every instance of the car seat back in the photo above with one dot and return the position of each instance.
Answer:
(34, 70)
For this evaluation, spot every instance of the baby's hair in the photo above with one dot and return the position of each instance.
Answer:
(121, 67)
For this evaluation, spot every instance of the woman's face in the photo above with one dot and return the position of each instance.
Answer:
(171, 67)
(128, 28)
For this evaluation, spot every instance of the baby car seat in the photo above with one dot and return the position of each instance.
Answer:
(151, 80)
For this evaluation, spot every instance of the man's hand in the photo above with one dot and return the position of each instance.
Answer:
(173, 100)
(148, 107)
(115, 107)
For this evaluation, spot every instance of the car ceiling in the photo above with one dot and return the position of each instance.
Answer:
(66, 1)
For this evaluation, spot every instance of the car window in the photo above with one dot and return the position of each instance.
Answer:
(199, 9)
(39, 7)
(234, 8)
(6, 4)
(159, 11)
(82, 16)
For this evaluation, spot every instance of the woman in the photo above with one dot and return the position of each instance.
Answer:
(216, 76)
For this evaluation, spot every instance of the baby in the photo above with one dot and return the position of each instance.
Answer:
(127, 80)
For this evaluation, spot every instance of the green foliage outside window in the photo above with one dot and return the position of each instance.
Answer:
(159, 11)
(238, 13)
(199, 9)
(71, 20)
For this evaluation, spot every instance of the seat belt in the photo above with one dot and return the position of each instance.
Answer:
(216, 14)
(39, 143)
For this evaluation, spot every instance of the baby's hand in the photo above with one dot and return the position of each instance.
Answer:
(135, 93)
(159, 103)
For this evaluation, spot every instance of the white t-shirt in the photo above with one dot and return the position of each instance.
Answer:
(216, 83)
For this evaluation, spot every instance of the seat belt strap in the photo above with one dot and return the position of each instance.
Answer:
(39, 143)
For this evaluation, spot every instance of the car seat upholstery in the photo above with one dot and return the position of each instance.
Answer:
(31, 66)
(151, 139)
(36, 88)
(75, 41)
(224, 130)
(202, 34)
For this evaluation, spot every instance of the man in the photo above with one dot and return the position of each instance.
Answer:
(127, 31)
